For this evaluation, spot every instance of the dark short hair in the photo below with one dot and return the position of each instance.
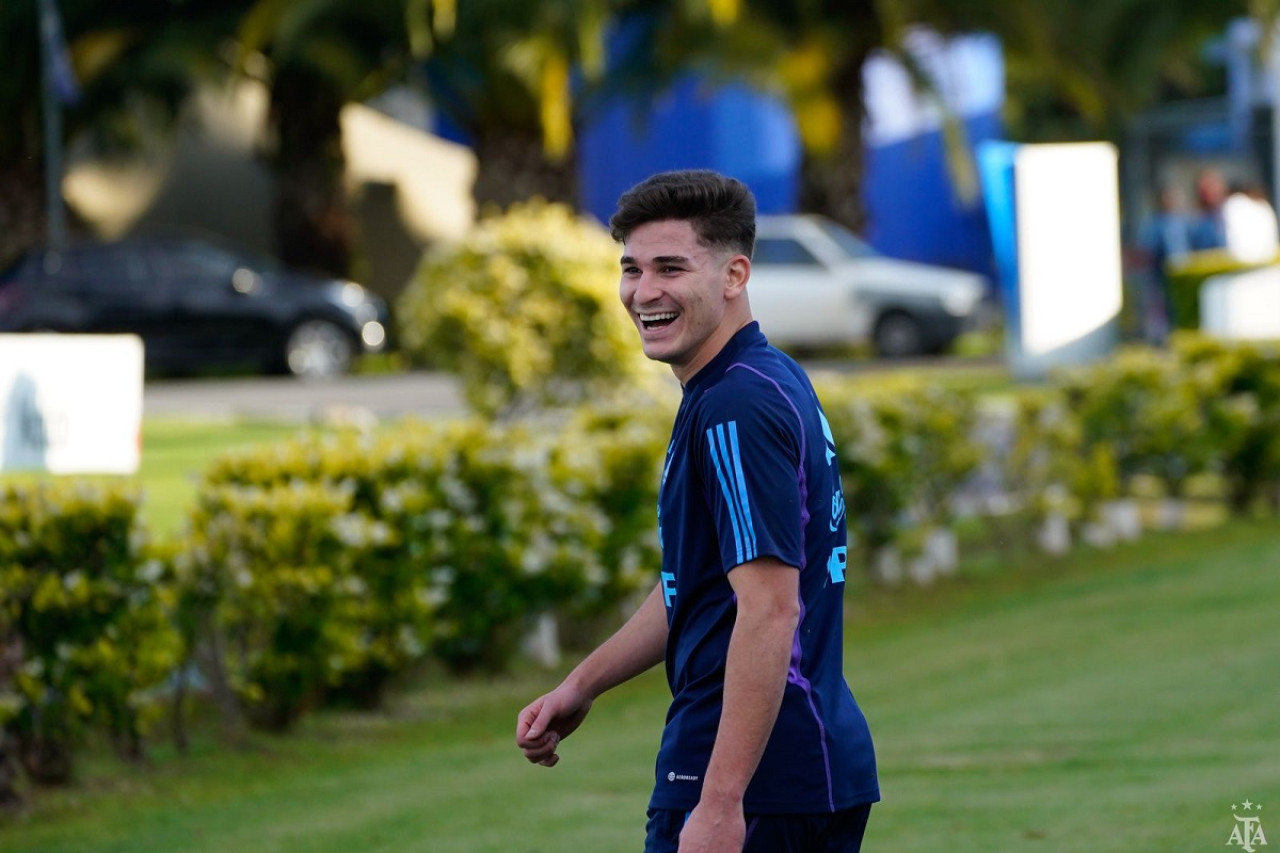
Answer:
(721, 210)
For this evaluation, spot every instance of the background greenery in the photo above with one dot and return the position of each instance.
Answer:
(1113, 701)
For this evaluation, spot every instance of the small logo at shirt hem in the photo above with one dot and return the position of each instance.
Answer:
(681, 777)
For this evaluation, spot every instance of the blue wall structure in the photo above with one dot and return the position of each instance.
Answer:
(913, 210)
(731, 129)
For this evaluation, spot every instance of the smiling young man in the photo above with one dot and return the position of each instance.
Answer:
(764, 747)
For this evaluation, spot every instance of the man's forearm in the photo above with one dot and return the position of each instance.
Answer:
(637, 646)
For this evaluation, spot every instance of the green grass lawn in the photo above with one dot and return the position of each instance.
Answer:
(175, 453)
(1112, 701)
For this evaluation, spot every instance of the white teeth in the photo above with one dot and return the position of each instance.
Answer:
(654, 318)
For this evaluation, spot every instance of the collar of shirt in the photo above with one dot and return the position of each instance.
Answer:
(748, 336)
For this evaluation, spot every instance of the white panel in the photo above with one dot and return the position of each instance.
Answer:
(1069, 264)
(967, 73)
(1242, 306)
(70, 404)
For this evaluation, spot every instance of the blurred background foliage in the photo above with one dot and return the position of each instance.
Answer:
(524, 311)
(516, 78)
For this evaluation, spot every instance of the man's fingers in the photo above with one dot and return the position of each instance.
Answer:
(543, 750)
(528, 727)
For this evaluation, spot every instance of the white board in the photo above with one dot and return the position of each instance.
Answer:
(71, 404)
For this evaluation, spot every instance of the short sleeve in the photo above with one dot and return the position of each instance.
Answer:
(750, 447)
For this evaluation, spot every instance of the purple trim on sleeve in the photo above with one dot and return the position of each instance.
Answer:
(796, 677)
(794, 674)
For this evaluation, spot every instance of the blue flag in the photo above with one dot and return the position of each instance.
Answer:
(62, 77)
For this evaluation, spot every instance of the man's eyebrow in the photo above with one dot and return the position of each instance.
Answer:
(661, 259)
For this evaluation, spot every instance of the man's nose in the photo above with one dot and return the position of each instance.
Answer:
(647, 288)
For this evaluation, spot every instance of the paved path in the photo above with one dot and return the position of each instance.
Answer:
(285, 398)
(386, 397)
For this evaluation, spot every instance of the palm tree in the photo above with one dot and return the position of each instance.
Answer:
(506, 76)
(316, 56)
(1079, 68)
(135, 63)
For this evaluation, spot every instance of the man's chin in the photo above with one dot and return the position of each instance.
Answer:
(657, 352)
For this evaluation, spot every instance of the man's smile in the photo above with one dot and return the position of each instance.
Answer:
(657, 320)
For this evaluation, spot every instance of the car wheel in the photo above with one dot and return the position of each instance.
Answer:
(318, 348)
(897, 335)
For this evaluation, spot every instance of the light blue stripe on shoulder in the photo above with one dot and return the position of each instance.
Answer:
(715, 442)
(744, 503)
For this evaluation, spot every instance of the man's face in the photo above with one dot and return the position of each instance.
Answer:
(679, 294)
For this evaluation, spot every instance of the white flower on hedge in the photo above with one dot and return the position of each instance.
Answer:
(439, 519)
(351, 530)
(433, 597)
(151, 571)
(594, 574)
(408, 642)
(536, 556)
(456, 492)
(395, 498)
(73, 580)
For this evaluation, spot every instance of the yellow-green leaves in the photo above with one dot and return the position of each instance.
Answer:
(525, 310)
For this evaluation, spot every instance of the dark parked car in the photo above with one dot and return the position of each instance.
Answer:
(195, 304)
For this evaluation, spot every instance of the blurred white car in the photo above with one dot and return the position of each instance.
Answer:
(815, 284)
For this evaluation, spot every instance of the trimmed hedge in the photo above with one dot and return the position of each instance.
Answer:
(525, 310)
(86, 628)
(468, 528)
(324, 567)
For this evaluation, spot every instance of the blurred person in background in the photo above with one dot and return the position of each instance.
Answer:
(764, 748)
(1208, 230)
(1165, 239)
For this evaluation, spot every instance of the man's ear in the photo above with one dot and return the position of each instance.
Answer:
(737, 272)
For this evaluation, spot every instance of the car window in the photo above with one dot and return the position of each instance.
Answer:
(782, 250)
(94, 267)
(850, 244)
(185, 267)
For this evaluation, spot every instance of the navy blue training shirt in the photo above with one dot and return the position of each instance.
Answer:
(751, 472)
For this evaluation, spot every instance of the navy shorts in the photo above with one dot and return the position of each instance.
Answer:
(839, 832)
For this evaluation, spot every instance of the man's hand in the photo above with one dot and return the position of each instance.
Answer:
(711, 829)
(634, 648)
(548, 720)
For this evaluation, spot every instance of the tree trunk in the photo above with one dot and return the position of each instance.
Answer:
(831, 183)
(22, 208)
(513, 167)
(10, 797)
(313, 224)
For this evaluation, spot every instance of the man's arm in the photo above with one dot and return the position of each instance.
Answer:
(768, 598)
(637, 646)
